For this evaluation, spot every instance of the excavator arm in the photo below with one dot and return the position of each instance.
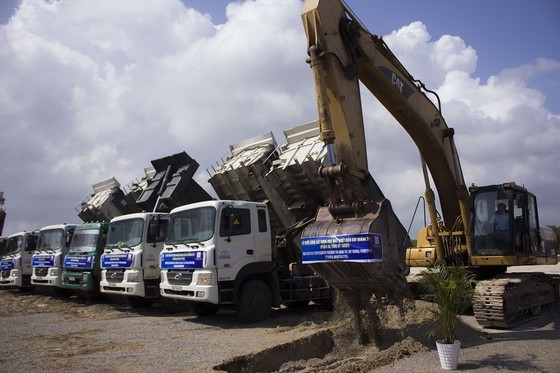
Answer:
(343, 53)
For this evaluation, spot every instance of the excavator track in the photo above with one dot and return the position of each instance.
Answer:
(508, 299)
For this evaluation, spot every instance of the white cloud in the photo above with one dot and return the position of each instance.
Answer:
(91, 90)
(430, 61)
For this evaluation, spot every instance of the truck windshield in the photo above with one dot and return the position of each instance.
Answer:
(195, 225)
(50, 239)
(125, 233)
(14, 245)
(84, 241)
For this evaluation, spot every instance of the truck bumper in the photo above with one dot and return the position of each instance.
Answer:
(123, 288)
(196, 293)
(55, 281)
(83, 281)
(14, 280)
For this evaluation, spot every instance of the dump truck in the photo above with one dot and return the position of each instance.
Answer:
(48, 259)
(16, 262)
(81, 269)
(130, 259)
(241, 251)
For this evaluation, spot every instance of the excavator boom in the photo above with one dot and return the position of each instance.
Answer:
(345, 53)
(342, 54)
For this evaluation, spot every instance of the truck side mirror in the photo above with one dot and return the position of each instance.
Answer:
(226, 225)
(153, 232)
(69, 238)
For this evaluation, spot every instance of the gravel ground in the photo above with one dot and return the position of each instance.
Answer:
(47, 334)
(41, 333)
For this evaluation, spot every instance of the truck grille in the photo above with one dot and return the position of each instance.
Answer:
(115, 275)
(5, 273)
(41, 271)
(179, 277)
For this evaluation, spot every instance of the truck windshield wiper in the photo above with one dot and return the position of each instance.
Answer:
(196, 243)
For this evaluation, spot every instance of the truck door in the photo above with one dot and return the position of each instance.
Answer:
(236, 242)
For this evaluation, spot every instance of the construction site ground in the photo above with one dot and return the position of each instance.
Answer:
(42, 333)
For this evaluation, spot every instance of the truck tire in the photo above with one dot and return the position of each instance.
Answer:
(254, 302)
(203, 309)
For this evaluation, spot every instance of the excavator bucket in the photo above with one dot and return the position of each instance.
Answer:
(360, 252)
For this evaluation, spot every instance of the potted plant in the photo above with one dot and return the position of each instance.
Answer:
(450, 288)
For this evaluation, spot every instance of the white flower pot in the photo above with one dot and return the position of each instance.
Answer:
(448, 354)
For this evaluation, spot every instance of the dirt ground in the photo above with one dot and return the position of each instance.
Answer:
(43, 333)
(57, 334)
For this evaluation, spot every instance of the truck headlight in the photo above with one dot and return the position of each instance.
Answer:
(14, 273)
(53, 272)
(133, 277)
(85, 277)
(204, 279)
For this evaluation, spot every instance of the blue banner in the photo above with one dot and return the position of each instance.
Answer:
(45, 260)
(117, 260)
(7, 264)
(363, 247)
(183, 260)
(78, 261)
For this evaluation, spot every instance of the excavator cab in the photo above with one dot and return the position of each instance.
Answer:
(505, 221)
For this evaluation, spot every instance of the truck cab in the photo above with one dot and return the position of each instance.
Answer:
(15, 265)
(130, 261)
(219, 254)
(47, 262)
(82, 269)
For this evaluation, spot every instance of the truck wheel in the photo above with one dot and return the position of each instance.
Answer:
(203, 309)
(173, 305)
(253, 302)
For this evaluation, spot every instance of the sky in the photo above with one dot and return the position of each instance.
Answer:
(96, 89)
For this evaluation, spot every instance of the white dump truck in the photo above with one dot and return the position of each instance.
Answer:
(130, 260)
(221, 254)
(255, 264)
(48, 260)
(15, 265)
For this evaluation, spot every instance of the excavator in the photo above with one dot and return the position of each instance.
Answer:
(352, 242)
